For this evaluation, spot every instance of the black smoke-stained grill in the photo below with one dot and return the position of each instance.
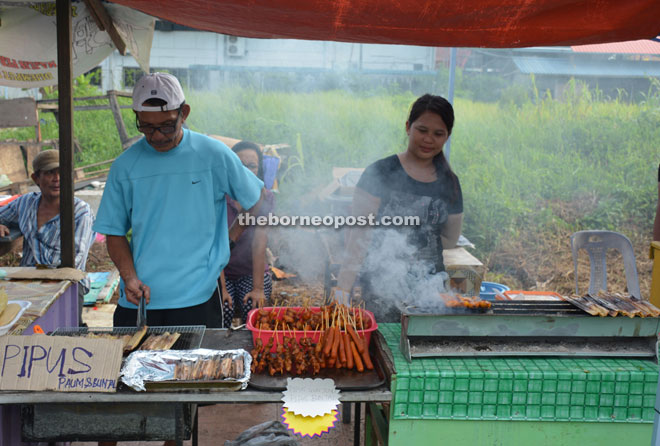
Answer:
(524, 328)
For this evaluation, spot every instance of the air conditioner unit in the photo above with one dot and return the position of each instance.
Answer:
(234, 46)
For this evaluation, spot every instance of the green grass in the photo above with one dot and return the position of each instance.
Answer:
(95, 131)
(595, 158)
(582, 162)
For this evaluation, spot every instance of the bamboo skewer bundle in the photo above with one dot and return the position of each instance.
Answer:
(307, 341)
(612, 304)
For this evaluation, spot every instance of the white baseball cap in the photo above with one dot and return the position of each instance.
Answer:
(158, 86)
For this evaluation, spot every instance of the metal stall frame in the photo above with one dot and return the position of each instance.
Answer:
(128, 402)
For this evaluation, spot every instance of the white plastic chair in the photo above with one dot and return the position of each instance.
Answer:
(596, 243)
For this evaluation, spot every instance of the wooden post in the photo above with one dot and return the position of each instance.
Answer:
(116, 113)
(104, 22)
(65, 95)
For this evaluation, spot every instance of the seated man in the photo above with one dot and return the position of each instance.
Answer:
(37, 215)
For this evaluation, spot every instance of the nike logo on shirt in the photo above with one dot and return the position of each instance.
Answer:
(195, 182)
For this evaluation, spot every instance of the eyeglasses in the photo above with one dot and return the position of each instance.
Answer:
(151, 129)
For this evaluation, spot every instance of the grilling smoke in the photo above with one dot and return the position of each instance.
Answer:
(397, 277)
(299, 251)
(391, 270)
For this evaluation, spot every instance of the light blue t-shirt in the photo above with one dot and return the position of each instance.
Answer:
(175, 204)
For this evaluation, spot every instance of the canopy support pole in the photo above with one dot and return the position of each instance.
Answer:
(450, 95)
(65, 101)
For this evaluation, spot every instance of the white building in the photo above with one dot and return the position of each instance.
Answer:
(205, 57)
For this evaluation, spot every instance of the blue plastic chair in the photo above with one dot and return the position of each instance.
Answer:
(596, 243)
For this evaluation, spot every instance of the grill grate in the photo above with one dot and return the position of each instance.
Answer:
(540, 307)
(523, 308)
(524, 328)
(191, 335)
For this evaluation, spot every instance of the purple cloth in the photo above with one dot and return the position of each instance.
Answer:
(240, 262)
(62, 313)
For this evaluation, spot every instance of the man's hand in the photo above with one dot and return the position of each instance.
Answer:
(258, 298)
(135, 289)
(120, 253)
(4, 231)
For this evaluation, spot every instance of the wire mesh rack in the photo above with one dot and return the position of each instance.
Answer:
(191, 335)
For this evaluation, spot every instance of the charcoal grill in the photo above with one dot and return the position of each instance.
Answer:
(524, 328)
(191, 335)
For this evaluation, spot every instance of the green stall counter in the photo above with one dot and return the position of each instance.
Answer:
(512, 401)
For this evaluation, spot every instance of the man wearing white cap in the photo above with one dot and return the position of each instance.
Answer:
(169, 189)
(37, 215)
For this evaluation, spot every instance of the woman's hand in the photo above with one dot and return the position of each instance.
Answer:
(340, 296)
(4, 231)
(258, 297)
(135, 289)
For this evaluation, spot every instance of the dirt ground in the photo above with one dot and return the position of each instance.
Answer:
(221, 422)
(546, 264)
(542, 264)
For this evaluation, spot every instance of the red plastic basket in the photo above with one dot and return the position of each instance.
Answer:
(314, 335)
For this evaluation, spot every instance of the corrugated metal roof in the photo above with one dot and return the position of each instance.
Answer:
(630, 47)
(601, 68)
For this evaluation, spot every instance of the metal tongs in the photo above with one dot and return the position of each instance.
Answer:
(142, 313)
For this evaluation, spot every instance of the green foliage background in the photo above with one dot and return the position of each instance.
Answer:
(527, 163)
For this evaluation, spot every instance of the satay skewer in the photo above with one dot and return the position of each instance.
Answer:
(329, 340)
(342, 349)
(352, 331)
(347, 344)
(365, 347)
(356, 356)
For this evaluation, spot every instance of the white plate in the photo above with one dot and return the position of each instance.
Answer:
(24, 305)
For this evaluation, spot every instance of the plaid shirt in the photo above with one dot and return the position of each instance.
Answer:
(42, 245)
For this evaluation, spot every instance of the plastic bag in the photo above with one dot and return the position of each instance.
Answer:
(270, 433)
